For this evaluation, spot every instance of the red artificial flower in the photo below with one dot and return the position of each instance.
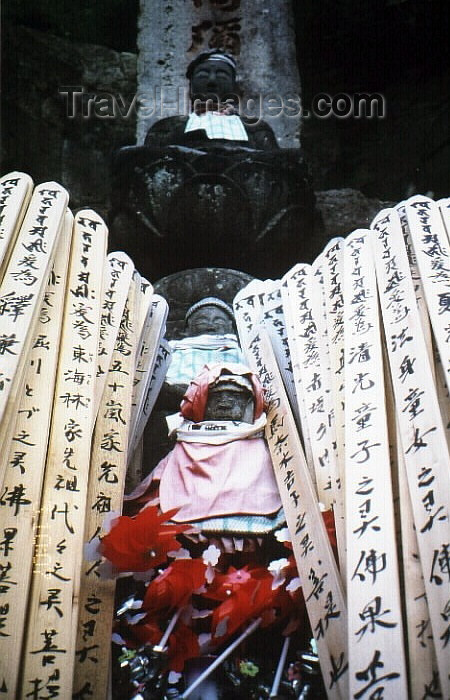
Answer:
(224, 585)
(175, 585)
(141, 542)
(146, 631)
(246, 594)
(183, 645)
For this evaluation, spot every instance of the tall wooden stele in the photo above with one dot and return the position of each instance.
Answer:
(258, 33)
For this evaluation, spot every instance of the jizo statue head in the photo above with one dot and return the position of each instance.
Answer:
(209, 316)
(229, 400)
(212, 76)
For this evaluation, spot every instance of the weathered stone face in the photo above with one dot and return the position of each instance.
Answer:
(227, 401)
(209, 320)
(213, 80)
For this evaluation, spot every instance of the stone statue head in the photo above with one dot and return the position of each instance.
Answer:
(230, 398)
(209, 316)
(212, 77)
(228, 391)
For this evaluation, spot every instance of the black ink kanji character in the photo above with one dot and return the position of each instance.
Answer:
(306, 545)
(360, 353)
(366, 523)
(432, 689)
(400, 339)
(64, 512)
(107, 473)
(18, 461)
(84, 692)
(110, 442)
(79, 354)
(92, 604)
(365, 450)
(286, 458)
(72, 430)
(444, 302)
(25, 276)
(339, 667)
(83, 654)
(371, 615)
(413, 402)
(425, 477)
(363, 416)
(295, 497)
(88, 629)
(76, 400)
(102, 504)
(364, 486)
(94, 569)
(289, 479)
(37, 686)
(445, 614)
(14, 498)
(373, 564)
(9, 534)
(317, 584)
(315, 384)
(280, 444)
(433, 516)
(300, 523)
(53, 601)
(362, 383)
(406, 368)
(68, 453)
(57, 567)
(4, 610)
(49, 648)
(42, 342)
(418, 441)
(5, 581)
(29, 412)
(61, 546)
(22, 437)
(422, 627)
(370, 674)
(114, 411)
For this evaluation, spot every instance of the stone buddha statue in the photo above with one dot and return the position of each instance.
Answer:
(212, 188)
(219, 475)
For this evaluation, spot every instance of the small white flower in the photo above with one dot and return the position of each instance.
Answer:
(180, 554)
(294, 585)
(174, 677)
(110, 520)
(199, 614)
(134, 619)
(211, 555)
(283, 535)
(92, 550)
(276, 569)
(144, 576)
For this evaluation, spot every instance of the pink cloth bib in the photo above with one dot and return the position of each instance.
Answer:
(206, 481)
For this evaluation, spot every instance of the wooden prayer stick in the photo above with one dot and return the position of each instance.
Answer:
(373, 589)
(420, 423)
(15, 194)
(105, 493)
(315, 561)
(49, 649)
(24, 539)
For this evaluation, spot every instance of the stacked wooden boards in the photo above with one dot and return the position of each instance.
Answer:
(364, 335)
(80, 341)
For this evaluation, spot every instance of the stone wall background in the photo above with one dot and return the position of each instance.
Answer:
(396, 47)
